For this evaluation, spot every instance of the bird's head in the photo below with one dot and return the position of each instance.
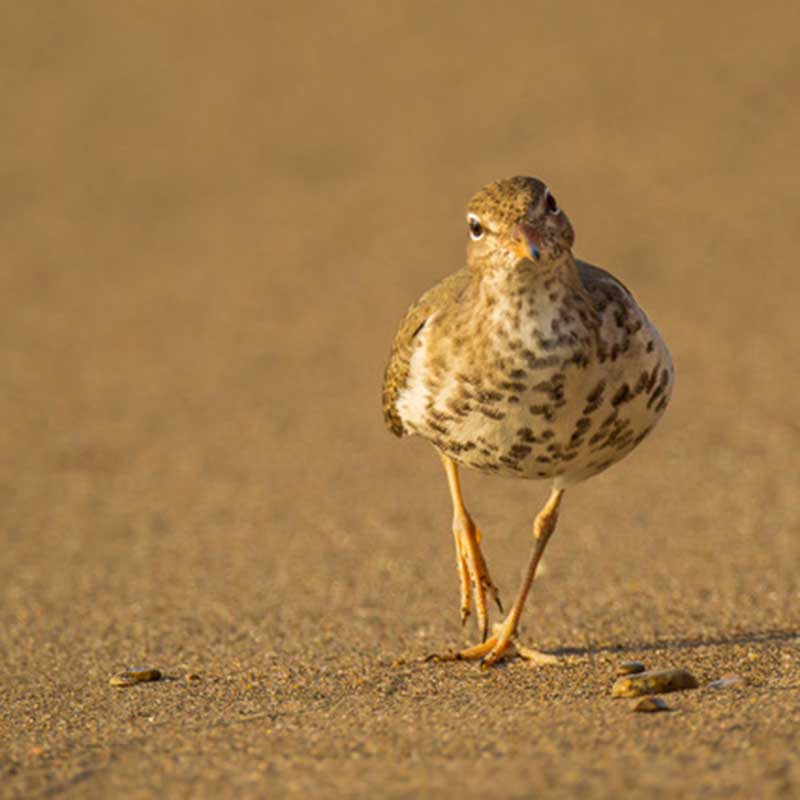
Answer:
(516, 219)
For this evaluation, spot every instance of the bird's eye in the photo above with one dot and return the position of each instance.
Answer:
(550, 202)
(475, 228)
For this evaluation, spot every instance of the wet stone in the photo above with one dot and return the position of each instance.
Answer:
(654, 682)
(629, 668)
(650, 704)
(134, 675)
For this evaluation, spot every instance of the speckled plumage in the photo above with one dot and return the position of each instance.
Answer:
(527, 362)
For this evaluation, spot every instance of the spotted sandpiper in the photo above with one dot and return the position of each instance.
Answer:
(527, 363)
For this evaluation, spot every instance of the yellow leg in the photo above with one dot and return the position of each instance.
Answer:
(469, 560)
(493, 648)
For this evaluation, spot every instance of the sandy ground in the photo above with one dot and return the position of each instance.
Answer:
(212, 221)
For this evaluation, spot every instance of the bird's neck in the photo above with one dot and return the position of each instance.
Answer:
(528, 279)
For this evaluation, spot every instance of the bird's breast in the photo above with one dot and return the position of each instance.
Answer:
(537, 391)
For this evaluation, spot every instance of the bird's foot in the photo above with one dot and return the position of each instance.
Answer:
(502, 645)
(472, 571)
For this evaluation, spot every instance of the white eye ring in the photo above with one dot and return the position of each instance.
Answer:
(476, 230)
(551, 203)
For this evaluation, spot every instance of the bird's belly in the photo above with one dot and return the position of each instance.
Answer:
(563, 423)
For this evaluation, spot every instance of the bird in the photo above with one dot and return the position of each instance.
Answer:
(527, 363)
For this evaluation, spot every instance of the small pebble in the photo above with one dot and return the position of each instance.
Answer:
(724, 682)
(134, 675)
(661, 681)
(630, 668)
(650, 704)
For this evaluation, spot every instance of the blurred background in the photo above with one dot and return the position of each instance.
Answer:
(213, 218)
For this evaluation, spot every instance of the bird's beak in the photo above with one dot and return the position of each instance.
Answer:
(526, 242)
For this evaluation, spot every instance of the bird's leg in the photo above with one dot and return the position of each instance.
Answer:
(469, 559)
(493, 648)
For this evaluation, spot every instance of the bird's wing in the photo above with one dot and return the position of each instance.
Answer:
(596, 280)
(396, 376)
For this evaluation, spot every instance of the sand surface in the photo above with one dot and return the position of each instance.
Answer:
(213, 218)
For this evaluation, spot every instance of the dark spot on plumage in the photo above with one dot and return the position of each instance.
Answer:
(583, 424)
(565, 317)
(459, 447)
(513, 399)
(513, 386)
(527, 435)
(546, 343)
(517, 374)
(662, 404)
(664, 377)
(625, 441)
(543, 459)
(576, 440)
(459, 407)
(651, 345)
(519, 450)
(554, 387)
(418, 329)
(653, 376)
(655, 395)
(569, 456)
(489, 396)
(471, 379)
(622, 395)
(596, 395)
(540, 362)
(641, 384)
(438, 427)
(610, 419)
(545, 411)
(578, 358)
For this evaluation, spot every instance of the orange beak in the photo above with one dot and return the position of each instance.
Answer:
(526, 242)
